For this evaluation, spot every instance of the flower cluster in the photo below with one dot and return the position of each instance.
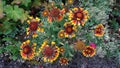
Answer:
(88, 51)
(60, 28)
(48, 31)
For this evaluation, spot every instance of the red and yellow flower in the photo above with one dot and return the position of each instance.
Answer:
(70, 29)
(62, 50)
(27, 51)
(70, 1)
(50, 52)
(89, 51)
(78, 16)
(63, 61)
(45, 13)
(61, 34)
(34, 26)
(99, 30)
(55, 14)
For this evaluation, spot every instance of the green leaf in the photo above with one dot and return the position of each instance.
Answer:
(36, 3)
(5, 28)
(1, 50)
(68, 51)
(7, 39)
(116, 11)
(14, 50)
(15, 13)
(8, 10)
(114, 24)
(14, 57)
(25, 2)
(8, 31)
(1, 9)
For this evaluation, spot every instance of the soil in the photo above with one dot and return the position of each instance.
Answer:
(78, 61)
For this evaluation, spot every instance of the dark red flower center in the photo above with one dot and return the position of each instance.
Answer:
(27, 49)
(89, 51)
(55, 12)
(64, 60)
(48, 51)
(69, 29)
(98, 30)
(33, 26)
(78, 15)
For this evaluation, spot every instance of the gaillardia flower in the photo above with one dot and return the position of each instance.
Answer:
(89, 51)
(45, 13)
(62, 50)
(34, 26)
(78, 16)
(99, 30)
(70, 30)
(70, 1)
(27, 51)
(50, 52)
(63, 61)
(55, 14)
(61, 34)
